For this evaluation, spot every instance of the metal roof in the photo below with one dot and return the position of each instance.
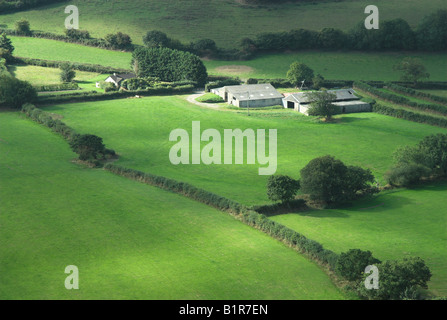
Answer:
(256, 91)
(342, 95)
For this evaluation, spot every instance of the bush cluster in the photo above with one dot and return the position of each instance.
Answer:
(222, 83)
(427, 159)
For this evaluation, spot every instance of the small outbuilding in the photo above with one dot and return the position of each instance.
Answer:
(251, 95)
(117, 79)
(346, 99)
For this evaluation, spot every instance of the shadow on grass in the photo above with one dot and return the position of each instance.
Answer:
(12, 70)
(350, 119)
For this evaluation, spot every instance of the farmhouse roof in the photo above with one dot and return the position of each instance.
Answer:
(120, 77)
(256, 91)
(341, 95)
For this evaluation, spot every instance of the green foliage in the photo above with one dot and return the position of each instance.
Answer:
(398, 279)
(330, 180)
(88, 146)
(351, 264)
(23, 27)
(169, 65)
(57, 87)
(119, 40)
(413, 70)
(282, 188)
(318, 82)
(77, 34)
(221, 83)
(6, 47)
(406, 175)
(156, 39)
(414, 163)
(321, 104)
(299, 72)
(14, 93)
(432, 32)
(408, 115)
(417, 94)
(107, 86)
(67, 72)
(401, 100)
(210, 98)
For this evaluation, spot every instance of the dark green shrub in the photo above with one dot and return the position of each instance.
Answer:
(351, 264)
(282, 188)
(88, 146)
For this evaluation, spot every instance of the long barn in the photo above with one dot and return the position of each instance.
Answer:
(251, 95)
(345, 99)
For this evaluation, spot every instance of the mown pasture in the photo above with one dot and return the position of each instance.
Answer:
(332, 65)
(394, 225)
(138, 129)
(129, 240)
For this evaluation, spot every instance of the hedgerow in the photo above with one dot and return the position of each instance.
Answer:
(414, 93)
(75, 65)
(94, 96)
(400, 100)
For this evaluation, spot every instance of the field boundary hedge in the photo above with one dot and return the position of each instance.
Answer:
(57, 87)
(313, 249)
(94, 96)
(416, 94)
(400, 100)
(75, 65)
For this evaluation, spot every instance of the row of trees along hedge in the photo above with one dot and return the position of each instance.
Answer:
(169, 65)
(94, 96)
(19, 5)
(399, 99)
(75, 65)
(222, 83)
(414, 93)
(57, 87)
(414, 163)
(430, 35)
(324, 179)
(89, 147)
(114, 41)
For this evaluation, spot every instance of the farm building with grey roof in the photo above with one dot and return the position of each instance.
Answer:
(250, 95)
(346, 100)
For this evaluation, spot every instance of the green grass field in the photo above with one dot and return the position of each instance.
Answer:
(394, 225)
(225, 21)
(129, 240)
(138, 129)
(332, 65)
(39, 76)
(441, 93)
(62, 51)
